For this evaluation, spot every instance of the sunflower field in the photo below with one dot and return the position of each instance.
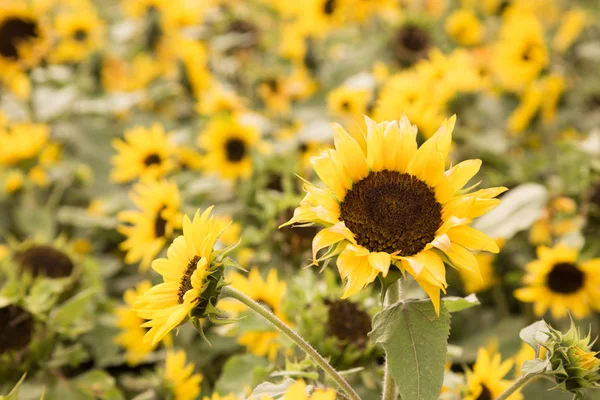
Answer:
(299, 199)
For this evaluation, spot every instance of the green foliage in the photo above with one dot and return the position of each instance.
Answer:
(241, 372)
(415, 340)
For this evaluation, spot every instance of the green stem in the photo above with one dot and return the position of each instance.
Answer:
(228, 291)
(389, 386)
(516, 386)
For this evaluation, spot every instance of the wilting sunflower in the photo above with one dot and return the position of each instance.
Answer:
(24, 42)
(80, 33)
(228, 144)
(21, 141)
(132, 334)
(393, 203)
(270, 293)
(485, 381)
(152, 225)
(189, 263)
(557, 280)
(180, 378)
(145, 153)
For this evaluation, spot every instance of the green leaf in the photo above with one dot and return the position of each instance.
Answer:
(14, 393)
(415, 340)
(240, 373)
(271, 390)
(535, 367)
(73, 309)
(455, 304)
(535, 334)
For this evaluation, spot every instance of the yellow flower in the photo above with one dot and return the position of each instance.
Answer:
(486, 381)
(297, 391)
(196, 76)
(347, 101)
(80, 34)
(22, 141)
(185, 271)
(557, 280)
(145, 153)
(520, 54)
(132, 334)
(188, 158)
(570, 27)
(14, 181)
(270, 293)
(554, 86)
(229, 144)
(464, 27)
(148, 229)
(25, 42)
(120, 76)
(216, 396)
(219, 100)
(382, 207)
(530, 103)
(180, 378)
(39, 176)
(275, 93)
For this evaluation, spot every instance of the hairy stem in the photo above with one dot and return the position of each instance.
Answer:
(516, 386)
(389, 386)
(228, 291)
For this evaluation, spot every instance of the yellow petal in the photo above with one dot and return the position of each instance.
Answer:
(462, 258)
(461, 173)
(350, 154)
(324, 166)
(473, 239)
(407, 146)
(380, 261)
(329, 236)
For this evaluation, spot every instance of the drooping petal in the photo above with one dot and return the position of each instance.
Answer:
(473, 239)
(330, 236)
(380, 261)
(461, 173)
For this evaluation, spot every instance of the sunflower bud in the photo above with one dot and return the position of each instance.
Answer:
(574, 365)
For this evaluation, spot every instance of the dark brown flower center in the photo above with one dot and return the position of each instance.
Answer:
(392, 212)
(13, 31)
(485, 394)
(80, 35)
(235, 150)
(16, 328)
(160, 224)
(565, 278)
(272, 84)
(46, 260)
(152, 159)
(348, 322)
(414, 38)
(185, 283)
(329, 7)
(345, 105)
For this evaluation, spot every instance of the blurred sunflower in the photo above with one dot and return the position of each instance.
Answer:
(145, 153)
(150, 227)
(21, 141)
(185, 271)
(80, 34)
(411, 43)
(132, 334)
(402, 208)
(464, 27)
(557, 280)
(24, 41)
(179, 378)
(229, 144)
(217, 100)
(194, 63)
(275, 93)
(520, 54)
(347, 101)
(52, 260)
(486, 381)
(298, 389)
(270, 293)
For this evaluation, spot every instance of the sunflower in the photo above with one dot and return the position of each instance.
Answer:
(148, 228)
(13, 181)
(464, 27)
(275, 93)
(25, 40)
(486, 381)
(411, 43)
(298, 389)
(21, 141)
(132, 334)
(218, 100)
(118, 75)
(270, 293)
(229, 143)
(48, 260)
(80, 34)
(145, 153)
(195, 75)
(559, 281)
(520, 54)
(189, 263)
(179, 378)
(347, 101)
(570, 27)
(400, 207)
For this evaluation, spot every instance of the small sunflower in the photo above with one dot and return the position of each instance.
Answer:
(80, 33)
(132, 334)
(400, 207)
(49, 260)
(486, 380)
(229, 144)
(145, 153)
(347, 101)
(24, 41)
(270, 293)
(411, 43)
(190, 262)
(22, 141)
(275, 93)
(179, 377)
(464, 27)
(558, 281)
(152, 225)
